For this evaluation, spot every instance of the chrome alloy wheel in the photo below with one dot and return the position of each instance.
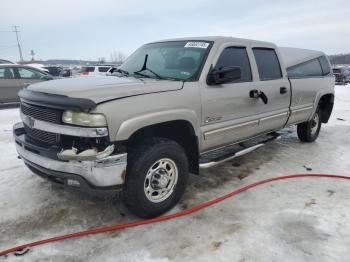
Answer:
(314, 124)
(161, 180)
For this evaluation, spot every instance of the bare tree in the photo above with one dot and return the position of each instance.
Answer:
(117, 57)
(121, 57)
(340, 59)
(101, 60)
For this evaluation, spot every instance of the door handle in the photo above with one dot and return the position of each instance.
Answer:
(258, 94)
(254, 93)
(283, 90)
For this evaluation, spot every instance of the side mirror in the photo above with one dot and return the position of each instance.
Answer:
(224, 75)
(111, 71)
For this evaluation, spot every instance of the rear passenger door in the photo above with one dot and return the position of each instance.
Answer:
(9, 85)
(275, 86)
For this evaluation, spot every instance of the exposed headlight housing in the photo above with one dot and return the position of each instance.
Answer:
(84, 119)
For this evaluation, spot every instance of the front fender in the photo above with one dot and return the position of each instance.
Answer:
(130, 126)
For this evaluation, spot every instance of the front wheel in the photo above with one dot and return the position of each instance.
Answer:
(309, 131)
(156, 177)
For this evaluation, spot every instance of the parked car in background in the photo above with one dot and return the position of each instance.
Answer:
(66, 72)
(3, 61)
(15, 77)
(342, 74)
(94, 70)
(54, 70)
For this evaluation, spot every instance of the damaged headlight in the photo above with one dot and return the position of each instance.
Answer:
(88, 154)
(84, 119)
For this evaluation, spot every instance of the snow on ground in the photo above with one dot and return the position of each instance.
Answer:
(296, 220)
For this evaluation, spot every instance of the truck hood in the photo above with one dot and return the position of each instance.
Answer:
(104, 88)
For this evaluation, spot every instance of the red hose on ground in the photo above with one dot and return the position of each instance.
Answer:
(165, 217)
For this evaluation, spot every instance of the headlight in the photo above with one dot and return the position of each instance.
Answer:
(84, 119)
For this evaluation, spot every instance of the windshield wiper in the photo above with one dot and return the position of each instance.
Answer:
(150, 70)
(144, 68)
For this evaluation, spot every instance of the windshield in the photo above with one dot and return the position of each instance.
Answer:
(178, 60)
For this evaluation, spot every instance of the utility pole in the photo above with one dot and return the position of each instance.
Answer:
(19, 46)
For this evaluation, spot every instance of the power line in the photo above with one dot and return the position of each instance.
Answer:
(7, 47)
(19, 46)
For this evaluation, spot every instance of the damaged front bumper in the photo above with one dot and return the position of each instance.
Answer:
(105, 174)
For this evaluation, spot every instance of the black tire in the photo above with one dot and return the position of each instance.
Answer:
(140, 160)
(309, 131)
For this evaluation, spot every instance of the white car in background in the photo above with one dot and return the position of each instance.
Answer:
(94, 70)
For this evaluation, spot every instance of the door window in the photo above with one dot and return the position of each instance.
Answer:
(103, 68)
(268, 65)
(26, 73)
(236, 56)
(6, 73)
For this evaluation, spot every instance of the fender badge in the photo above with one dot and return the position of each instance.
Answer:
(212, 119)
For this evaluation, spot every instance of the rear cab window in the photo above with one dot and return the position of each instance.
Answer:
(233, 57)
(268, 64)
(311, 68)
(326, 69)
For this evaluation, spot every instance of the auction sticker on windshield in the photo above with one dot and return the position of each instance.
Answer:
(197, 44)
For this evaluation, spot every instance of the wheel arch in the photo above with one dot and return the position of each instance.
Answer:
(326, 103)
(183, 130)
(324, 100)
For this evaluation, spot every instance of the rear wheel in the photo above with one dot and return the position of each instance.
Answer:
(156, 177)
(309, 131)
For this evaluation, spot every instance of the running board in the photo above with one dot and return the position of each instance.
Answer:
(236, 153)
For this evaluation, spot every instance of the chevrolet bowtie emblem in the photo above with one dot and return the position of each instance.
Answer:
(30, 121)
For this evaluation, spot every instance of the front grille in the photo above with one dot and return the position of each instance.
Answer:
(41, 113)
(41, 136)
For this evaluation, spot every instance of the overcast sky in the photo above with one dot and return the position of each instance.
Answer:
(86, 29)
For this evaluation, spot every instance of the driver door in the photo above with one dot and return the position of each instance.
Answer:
(228, 114)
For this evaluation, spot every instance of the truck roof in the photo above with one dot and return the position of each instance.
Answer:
(219, 39)
(293, 56)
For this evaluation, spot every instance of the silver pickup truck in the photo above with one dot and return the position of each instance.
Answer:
(173, 107)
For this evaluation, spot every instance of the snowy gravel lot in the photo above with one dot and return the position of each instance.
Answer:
(295, 220)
